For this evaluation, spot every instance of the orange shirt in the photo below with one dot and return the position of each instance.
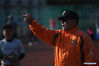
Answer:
(67, 47)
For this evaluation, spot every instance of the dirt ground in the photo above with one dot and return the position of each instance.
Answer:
(40, 54)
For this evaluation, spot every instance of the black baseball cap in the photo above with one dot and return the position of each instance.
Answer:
(68, 15)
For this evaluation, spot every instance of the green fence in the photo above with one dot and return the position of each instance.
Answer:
(87, 16)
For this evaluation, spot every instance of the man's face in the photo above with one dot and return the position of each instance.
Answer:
(69, 24)
(8, 33)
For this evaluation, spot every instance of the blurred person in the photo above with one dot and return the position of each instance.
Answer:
(52, 24)
(11, 49)
(12, 23)
(96, 25)
(31, 38)
(72, 46)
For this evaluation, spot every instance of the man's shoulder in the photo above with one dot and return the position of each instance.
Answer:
(85, 35)
(2, 41)
(17, 40)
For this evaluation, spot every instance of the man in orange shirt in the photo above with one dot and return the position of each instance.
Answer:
(72, 46)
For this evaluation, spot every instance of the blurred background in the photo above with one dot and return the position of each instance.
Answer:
(46, 13)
